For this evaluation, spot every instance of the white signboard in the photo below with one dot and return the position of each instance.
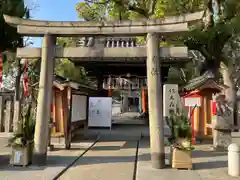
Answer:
(116, 109)
(17, 157)
(192, 101)
(100, 112)
(79, 108)
(170, 98)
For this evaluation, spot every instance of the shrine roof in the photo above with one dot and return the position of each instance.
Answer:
(61, 83)
(119, 69)
(206, 81)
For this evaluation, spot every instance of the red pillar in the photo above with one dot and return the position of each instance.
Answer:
(144, 100)
(109, 92)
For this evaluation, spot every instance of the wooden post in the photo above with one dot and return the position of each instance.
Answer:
(60, 102)
(109, 92)
(68, 133)
(54, 111)
(143, 99)
(193, 124)
(196, 119)
(8, 117)
(205, 115)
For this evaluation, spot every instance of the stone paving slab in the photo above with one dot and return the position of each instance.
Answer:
(112, 160)
(207, 165)
(57, 161)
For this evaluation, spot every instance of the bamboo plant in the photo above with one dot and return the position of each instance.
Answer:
(26, 136)
(180, 127)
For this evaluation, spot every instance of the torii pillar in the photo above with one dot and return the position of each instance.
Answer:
(155, 102)
(44, 100)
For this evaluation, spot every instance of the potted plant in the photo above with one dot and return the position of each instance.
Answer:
(180, 140)
(22, 142)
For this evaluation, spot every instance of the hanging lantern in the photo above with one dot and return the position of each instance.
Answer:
(25, 78)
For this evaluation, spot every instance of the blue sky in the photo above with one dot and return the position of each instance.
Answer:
(55, 10)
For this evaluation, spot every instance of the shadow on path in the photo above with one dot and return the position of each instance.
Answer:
(202, 154)
(210, 165)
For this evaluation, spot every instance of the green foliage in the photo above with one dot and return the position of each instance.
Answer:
(181, 76)
(210, 37)
(180, 125)
(122, 10)
(66, 68)
(22, 139)
(91, 11)
(9, 38)
(66, 42)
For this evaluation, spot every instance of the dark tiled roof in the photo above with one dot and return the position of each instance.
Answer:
(206, 78)
(60, 79)
(66, 82)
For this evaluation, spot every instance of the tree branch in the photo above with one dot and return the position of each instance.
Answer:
(130, 7)
(133, 7)
(152, 7)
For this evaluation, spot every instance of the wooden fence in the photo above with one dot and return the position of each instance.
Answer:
(60, 114)
(6, 113)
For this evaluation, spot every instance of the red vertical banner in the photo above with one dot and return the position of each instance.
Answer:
(214, 107)
(25, 78)
(1, 71)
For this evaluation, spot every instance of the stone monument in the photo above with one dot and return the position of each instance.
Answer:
(222, 123)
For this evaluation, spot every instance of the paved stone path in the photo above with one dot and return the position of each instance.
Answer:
(207, 165)
(57, 161)
(105, 161)
(115, 160)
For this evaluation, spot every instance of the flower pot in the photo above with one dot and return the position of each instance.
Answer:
(21, 156)
(181, 159)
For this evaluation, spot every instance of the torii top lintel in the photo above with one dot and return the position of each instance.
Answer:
(110, 28)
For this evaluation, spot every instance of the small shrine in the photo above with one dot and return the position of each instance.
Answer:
(69, 108)
(197, 96)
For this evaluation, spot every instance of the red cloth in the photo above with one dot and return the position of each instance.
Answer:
(25, 79)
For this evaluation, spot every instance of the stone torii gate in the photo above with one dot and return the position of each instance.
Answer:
(50, 30)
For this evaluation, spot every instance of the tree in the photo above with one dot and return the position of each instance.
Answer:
(128, 9)
(221, 24)
(66, 68)
(9, 38)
